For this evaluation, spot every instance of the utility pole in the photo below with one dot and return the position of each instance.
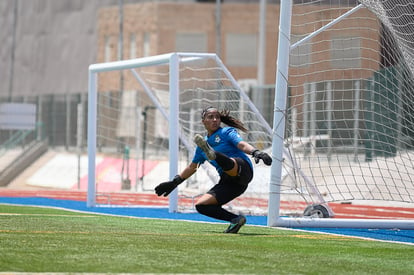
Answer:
(218, 28)
(13, 50)
(261, 59)
(120, 57)
(121, 40)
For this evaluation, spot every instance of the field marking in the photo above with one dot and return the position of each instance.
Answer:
(97, 273)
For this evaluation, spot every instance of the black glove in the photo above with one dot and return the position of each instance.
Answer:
(165, 188)
(259, 155)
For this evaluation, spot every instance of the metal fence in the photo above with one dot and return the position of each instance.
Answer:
(62, 119)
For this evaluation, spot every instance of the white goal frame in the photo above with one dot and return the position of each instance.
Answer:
(282, 75)
(172, 60)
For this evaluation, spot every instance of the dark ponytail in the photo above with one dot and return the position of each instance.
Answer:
(226, 118)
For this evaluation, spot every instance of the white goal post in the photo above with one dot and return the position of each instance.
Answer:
(386, 173)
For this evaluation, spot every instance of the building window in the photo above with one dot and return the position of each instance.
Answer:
(191, 42)
(146, 44)
(300, 56)
(241, 49)
(108, 49)
(345, 52)
(132, 46)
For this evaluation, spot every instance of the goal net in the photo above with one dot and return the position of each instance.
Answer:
(347, 71)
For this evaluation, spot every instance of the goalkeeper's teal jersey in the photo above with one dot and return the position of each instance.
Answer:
(225, 141)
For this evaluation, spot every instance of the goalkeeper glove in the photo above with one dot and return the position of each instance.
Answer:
(165, 188)
(259, 155)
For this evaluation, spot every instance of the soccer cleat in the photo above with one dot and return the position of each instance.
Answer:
(203, 144)
(236, 224)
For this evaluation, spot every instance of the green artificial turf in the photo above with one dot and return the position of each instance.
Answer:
(49, 240)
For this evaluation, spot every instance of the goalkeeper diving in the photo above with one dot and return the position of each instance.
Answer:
(225, 149)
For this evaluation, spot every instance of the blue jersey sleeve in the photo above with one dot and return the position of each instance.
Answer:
(199, 156)
(232, 135)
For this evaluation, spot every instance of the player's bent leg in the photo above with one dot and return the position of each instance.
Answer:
(229, 165)
(216, 211)
(208, 205)
(203, 144)
(207, 199)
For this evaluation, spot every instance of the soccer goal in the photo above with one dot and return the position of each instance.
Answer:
(144, 135)
(344, 107)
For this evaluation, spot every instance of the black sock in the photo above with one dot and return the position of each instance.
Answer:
(216, 212)
(224, 161)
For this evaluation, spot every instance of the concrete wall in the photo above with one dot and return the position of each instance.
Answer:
(54, 42)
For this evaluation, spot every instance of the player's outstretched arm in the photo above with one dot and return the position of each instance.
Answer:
(165, 188)
(257, 154)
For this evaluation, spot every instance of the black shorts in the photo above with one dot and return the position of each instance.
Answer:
(228, 188)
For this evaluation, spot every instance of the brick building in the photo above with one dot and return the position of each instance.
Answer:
(155, 28)
(55, 41)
